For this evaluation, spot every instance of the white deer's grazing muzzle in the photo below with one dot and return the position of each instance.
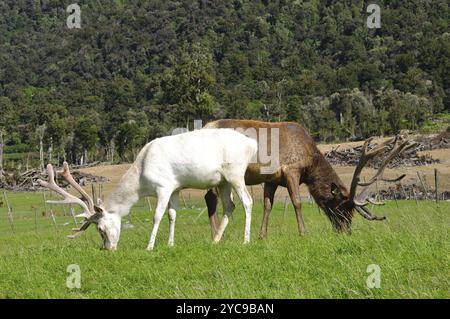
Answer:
(109, 229)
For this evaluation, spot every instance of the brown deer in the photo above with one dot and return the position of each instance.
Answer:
(300, 161)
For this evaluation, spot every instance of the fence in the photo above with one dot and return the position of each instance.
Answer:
(44, 216)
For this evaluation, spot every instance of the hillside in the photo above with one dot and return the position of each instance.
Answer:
(137, 69)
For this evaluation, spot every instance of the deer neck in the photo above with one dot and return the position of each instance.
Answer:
(319, 178)
(126, 193)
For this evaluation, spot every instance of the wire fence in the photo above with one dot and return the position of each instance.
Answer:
(25, 212)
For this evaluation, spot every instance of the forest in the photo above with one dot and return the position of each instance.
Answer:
(137, 69)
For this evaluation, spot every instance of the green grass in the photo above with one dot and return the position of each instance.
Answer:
(411, 247)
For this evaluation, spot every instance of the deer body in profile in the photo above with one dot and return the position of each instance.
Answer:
(300, 161)
(200, 159)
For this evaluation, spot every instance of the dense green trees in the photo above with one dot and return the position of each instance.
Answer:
(136, 69)
(186, 85)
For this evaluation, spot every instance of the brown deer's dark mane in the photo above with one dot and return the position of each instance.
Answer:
(319, 178)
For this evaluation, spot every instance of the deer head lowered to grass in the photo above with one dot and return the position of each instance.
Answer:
(340, 210)
(107, 224)
(162, 168)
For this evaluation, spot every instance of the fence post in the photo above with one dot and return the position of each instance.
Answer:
(33, 207)
(64, 210)
(423, 185)
(149, 203)
(45, 203)
(395, 198)
(436, 182)
(94, 194)
(377, 196)
(403, 191)
(72, 213)
(53, 219)
(10, 214)
(184, 200)
(415, 196)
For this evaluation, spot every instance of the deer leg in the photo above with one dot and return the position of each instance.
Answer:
(173, 205)
(247, 202)
(211, 203)
(163, 199)
(228, 207)
(269, 193)
(293, 186)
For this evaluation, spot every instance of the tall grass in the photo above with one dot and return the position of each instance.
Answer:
(411, 247)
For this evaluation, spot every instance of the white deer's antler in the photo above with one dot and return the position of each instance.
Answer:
(88, 212)
(68, 198)
(68, 177)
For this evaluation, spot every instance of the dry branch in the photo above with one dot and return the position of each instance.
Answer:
(28, 180)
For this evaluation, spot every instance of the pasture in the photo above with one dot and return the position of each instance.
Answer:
(411, 248)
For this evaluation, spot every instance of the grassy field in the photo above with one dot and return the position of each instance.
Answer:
(411, 248)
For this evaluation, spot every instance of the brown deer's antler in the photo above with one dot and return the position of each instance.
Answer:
(361, 200)
(89, 211)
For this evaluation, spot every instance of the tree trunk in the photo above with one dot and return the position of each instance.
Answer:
(50, 151)
(28, 162)
(41, 153)
(40, 130)
(1, 153)
(85, 156)
(112, 146)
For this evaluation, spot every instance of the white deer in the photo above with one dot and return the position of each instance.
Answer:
(199, 159)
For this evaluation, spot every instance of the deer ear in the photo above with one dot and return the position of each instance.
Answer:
(99, 210)
(335, 191)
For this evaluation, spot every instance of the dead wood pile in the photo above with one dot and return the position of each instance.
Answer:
(409, 158)
(28, 181)
(412, 192)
